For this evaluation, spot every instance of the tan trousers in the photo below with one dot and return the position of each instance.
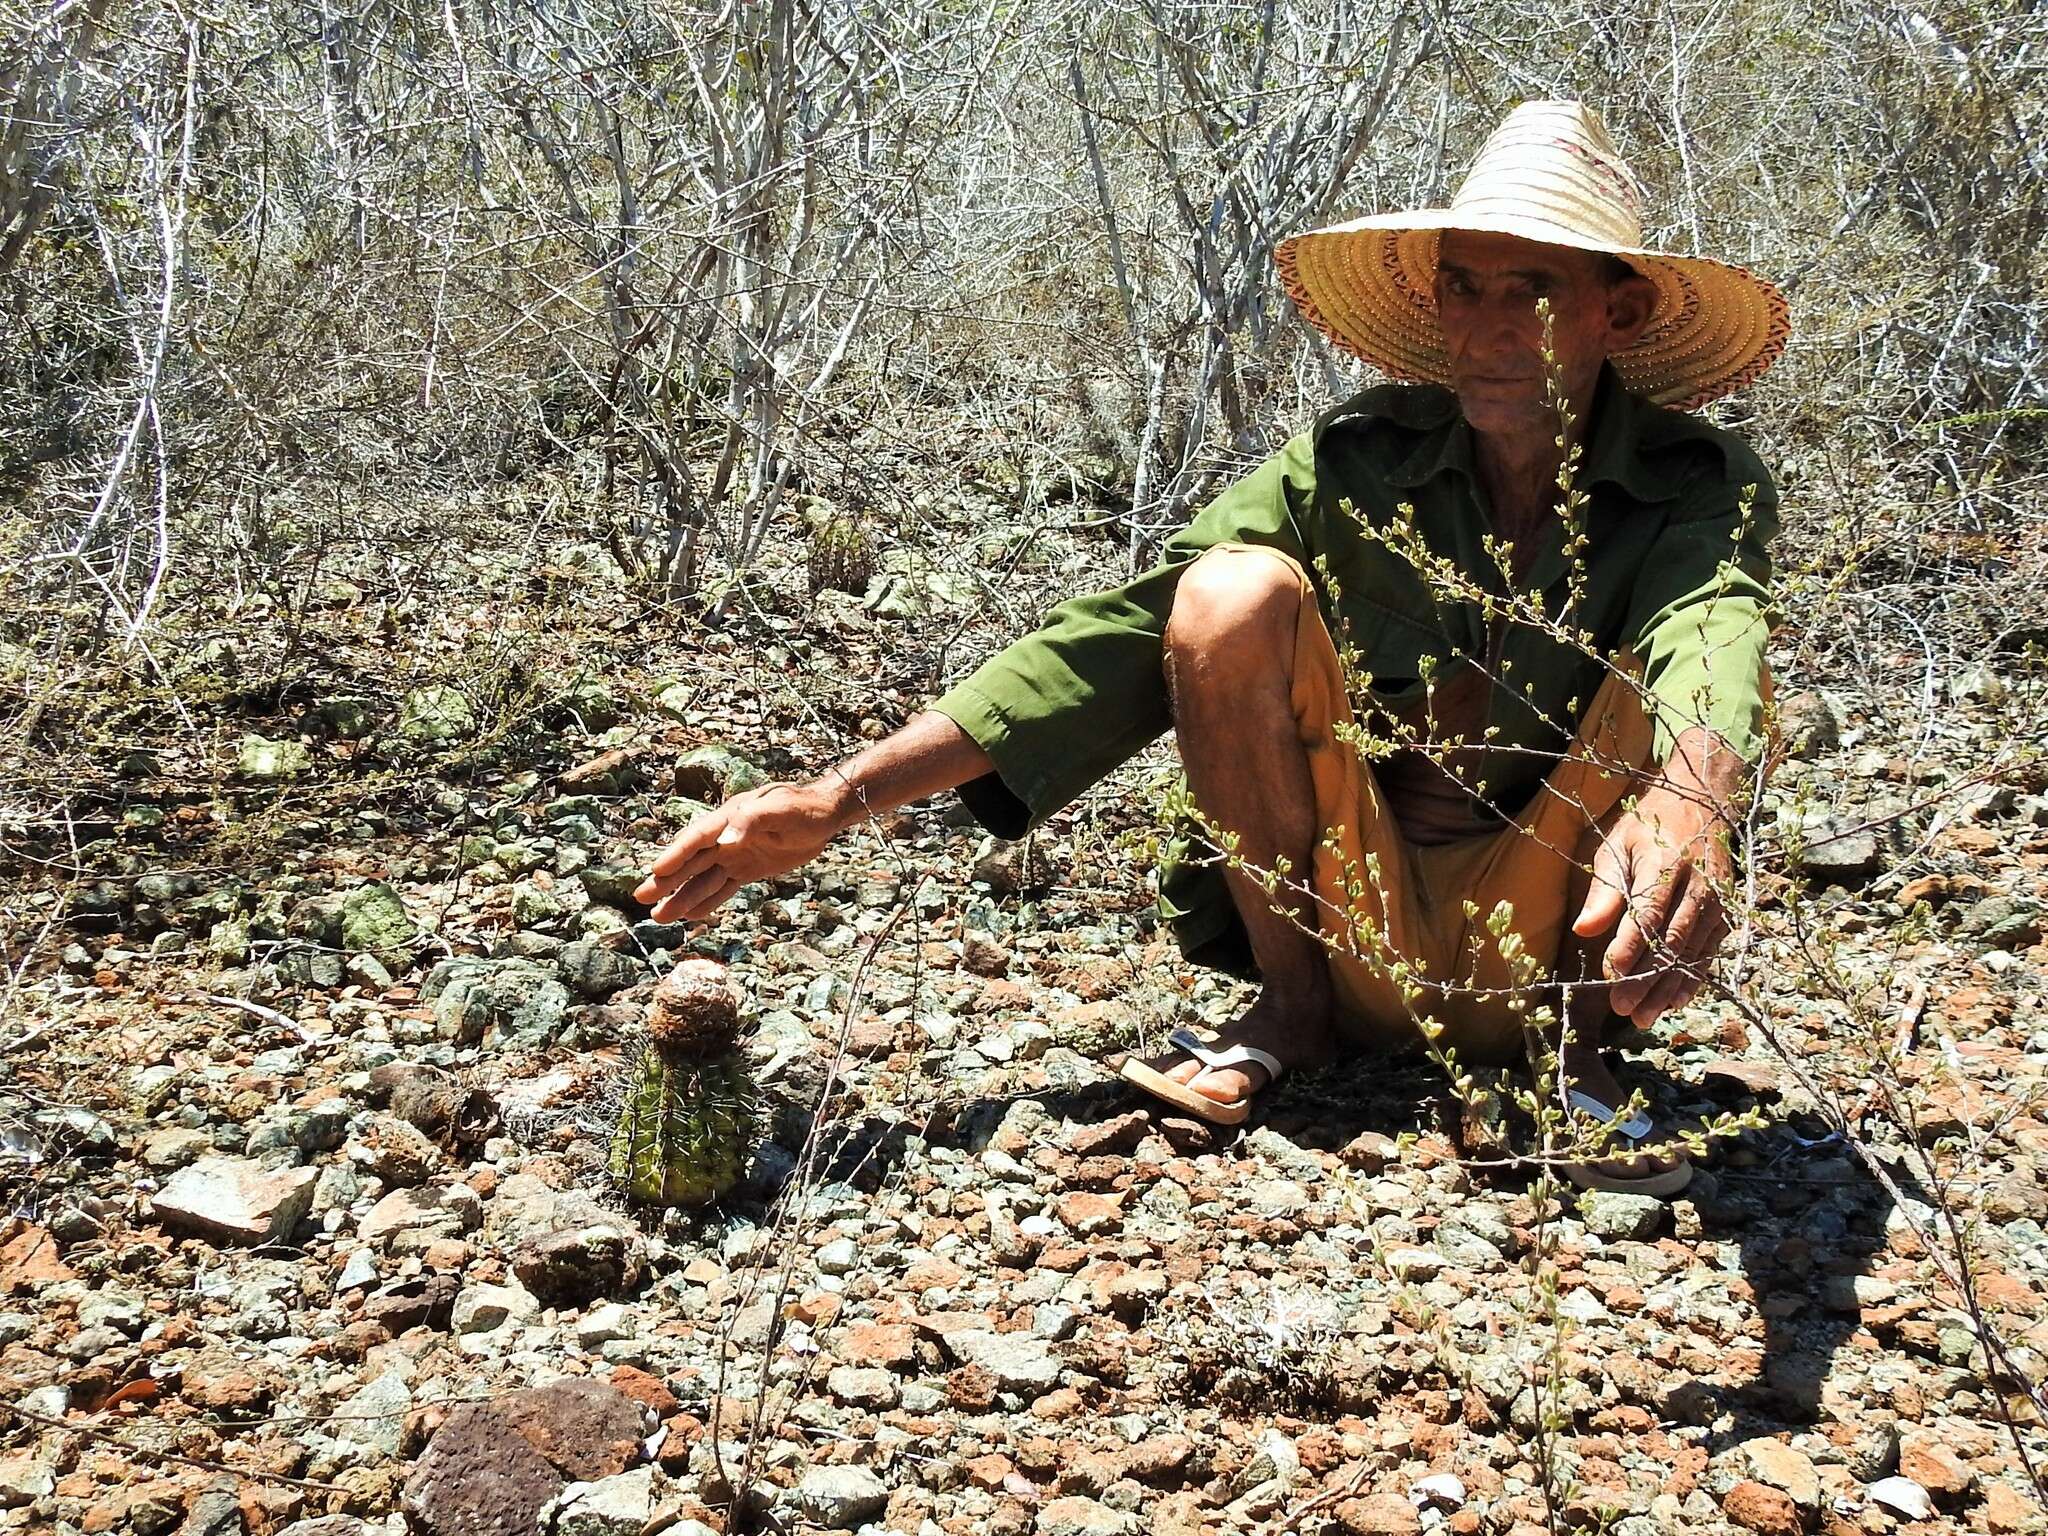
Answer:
(1415, 912)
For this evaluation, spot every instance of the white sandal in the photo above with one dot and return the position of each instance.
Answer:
(1633, 1131)
(1181, 1096)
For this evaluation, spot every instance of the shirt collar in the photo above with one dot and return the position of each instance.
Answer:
(1614, 452)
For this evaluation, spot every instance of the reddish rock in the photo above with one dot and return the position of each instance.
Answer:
(2006, 1509)
(477, 1479)
(1370, 1151)
(1089, 1472)
(1379, 1514)
(1161, 1460)
(893, 1345)
(930, 1273)
(1059, 1403)
(971, 1388)
(1108, 1138)
(1062, 1258)
(644, 1387)
(214, 1383)
(1088, 1214)
(29, 1261)
(583, 1428)
(989, 1471)
(1767, 1511)
(1931, 1464)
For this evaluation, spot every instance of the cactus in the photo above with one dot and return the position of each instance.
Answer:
(842, 557)
(689, 1111)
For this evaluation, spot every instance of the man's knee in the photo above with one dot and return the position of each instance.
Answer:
(1229, 597)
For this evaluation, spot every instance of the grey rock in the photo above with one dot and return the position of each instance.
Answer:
(263, 761)
(375, 1416)
(1837, 849)
(1008, 869)
(374, 922)
(1077, 1516)
(497, 1003)
(122, 1311)
(606, 1324)
(2004, 922)
(576, 1266)
(612, 884)
(24, 1479)
(595, 972)
(1902, 1496)
(435, 714)
(1296, 1162)
(841, 1498)
(412, 1218)
(1020, 1362)
(1278, 1197)
(172, 1148)
(621, 1505)
(481, 1308)
(1777, 1465)
(711, 773)
(232, 1200)
(216, 1512)
(864, 1386)
(1625, 1217)
(1808, 725)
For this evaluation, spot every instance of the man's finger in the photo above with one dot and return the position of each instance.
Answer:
(699, 835)
(1674, 989)
(716, 897)
(1690, 920)
(1607, 898)
(1647, 910)
(681, 904)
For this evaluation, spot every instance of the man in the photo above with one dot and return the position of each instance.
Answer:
(1587, 796)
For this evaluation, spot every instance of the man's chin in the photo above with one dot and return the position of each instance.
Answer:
(1494, 410)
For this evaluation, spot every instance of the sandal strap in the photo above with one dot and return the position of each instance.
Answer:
(1635, 1128)
(1234, 1056)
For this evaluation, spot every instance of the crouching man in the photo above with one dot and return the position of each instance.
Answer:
(1590, 787)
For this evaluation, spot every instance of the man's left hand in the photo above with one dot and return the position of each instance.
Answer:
(1657, 882)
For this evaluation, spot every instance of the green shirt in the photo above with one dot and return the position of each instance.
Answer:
(1673, 572)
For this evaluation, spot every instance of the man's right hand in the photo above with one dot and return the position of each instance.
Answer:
(772, 830)
(756, 835)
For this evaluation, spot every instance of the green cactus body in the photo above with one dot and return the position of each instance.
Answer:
(684, 1129)
(842, 557)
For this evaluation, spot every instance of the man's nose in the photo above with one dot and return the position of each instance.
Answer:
(1510, 326)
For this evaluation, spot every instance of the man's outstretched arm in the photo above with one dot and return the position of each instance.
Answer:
(772, 830)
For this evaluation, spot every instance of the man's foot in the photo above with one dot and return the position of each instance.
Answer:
(1657, 1171)
(1299, 1035)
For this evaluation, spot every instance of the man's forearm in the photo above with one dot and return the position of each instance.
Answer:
(929, 754)
(1705, 769)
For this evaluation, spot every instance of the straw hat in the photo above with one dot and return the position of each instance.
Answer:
(1549, 173)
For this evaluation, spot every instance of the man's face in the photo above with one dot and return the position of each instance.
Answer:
(1486, 292)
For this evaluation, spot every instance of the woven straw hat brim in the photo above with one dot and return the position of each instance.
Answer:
(1369, 286)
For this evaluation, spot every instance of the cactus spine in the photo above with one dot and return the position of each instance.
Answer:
(688, 1115)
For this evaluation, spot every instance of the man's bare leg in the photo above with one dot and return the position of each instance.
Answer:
(1589, 1020)
(1229, 668)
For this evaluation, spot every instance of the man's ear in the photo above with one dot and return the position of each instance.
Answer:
(1631, 303)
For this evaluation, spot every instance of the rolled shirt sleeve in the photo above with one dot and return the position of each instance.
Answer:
(1702, 610)
(1061, 708)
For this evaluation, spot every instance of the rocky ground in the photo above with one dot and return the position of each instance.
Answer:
(305, 1140)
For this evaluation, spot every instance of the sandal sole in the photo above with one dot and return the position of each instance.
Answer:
(1180, 1096)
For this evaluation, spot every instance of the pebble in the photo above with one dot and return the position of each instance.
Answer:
(841, 1498)
(233, 1200)
(1624, 1217)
